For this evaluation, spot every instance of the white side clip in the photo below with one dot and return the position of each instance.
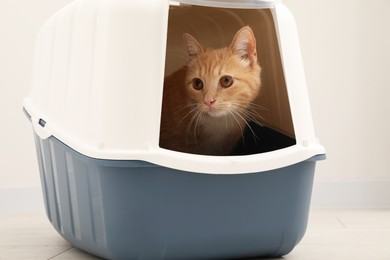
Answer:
(41, 128)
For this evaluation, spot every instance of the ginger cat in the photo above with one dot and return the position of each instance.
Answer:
(206, 104)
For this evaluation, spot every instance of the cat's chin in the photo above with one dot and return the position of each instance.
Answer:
(216, 113)
(213, 112)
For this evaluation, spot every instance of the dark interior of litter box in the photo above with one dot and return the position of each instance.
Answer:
(215, 27)
(261, 139)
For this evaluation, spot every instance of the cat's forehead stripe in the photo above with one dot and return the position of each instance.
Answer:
(212, 64)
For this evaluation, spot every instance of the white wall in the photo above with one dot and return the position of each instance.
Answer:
(346, 53)
(20, 21)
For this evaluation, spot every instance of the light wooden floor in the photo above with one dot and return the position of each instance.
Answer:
(333, 234)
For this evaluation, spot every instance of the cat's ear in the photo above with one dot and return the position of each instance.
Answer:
(244, 44)
(193, 46)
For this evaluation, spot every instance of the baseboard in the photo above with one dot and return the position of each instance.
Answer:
(21, 199)
(337, 193)
(351, 193)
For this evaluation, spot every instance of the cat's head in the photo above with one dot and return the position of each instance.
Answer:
(223, 81)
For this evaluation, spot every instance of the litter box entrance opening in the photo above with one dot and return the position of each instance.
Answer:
(271, 127)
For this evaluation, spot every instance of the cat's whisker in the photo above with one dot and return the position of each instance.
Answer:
(250, 104)
(237, 121)
(244, 104)
(190, 124)
(187, 106)
(254, 105)
(190, 112)
(237, 112)
(253, 116)
(249, 112)
(199, 117)
(226, 123)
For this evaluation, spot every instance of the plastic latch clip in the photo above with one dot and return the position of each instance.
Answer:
(42, 122)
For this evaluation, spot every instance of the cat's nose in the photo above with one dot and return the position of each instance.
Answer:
(209, 102)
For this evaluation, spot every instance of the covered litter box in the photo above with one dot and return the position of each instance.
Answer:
(95, 107)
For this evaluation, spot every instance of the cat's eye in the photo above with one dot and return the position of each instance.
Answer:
(226, 81)
(197, 83)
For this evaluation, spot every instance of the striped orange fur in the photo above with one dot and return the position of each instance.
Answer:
(206, 104)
